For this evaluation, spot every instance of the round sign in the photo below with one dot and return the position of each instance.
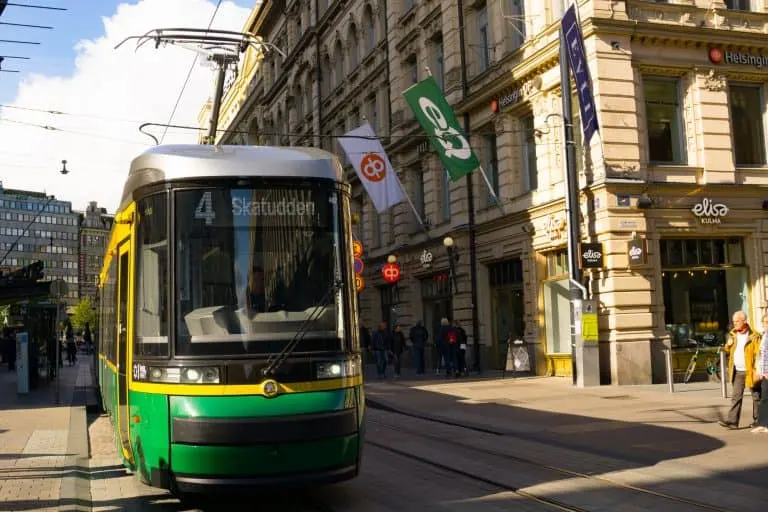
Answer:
(373, 167)
(358, 266)
(357, 249)
(359, 284)
(390, 272)
(715, 55)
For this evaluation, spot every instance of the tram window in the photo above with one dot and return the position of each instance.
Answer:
(151, 285)
(109, 304)
(252, 266)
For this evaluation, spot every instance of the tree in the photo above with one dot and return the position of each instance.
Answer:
(84, 313)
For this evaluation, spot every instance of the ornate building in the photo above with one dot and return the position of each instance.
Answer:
(680, 93)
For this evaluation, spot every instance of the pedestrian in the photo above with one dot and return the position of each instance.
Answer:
(419, 336)
(449, 342)
(381, 344)
(461, 359)
(761, 376)
(69, 335)
(741, 347)
(398, 347)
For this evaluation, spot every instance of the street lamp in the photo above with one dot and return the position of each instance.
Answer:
(453, 257)
(64, 169)
(391, 258)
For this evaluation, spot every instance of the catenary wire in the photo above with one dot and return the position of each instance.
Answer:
(186, 80)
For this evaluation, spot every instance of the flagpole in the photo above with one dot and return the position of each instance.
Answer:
(493, 192)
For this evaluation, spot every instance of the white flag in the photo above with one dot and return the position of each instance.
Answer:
(372, 167)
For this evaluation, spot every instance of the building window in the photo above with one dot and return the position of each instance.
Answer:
(413, 69)
(747, 120)
(374, 115)
(417, 178)
(530, 163)
(408, 5)
(557, 9)
(339, 66)
(664, 115)
(484, 38)
(491, 164)
(391, 225)
(354, 54)
(446, 199)
(376, 226)
(369, 29)
(439, 72)
(739, 5)
(515, 23)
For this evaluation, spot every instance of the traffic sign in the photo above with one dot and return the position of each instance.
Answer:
(359, 284)
(358, 266)
(357, 249)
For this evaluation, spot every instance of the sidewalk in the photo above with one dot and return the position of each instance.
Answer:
(43, 442)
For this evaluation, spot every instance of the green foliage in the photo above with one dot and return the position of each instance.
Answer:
(84, 313)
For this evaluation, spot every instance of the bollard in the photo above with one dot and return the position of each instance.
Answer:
(723, 374)
(670, 375)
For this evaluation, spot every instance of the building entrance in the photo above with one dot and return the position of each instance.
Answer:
(437, 303)
(508, 306)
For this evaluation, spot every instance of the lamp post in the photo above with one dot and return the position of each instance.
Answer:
(452, 257)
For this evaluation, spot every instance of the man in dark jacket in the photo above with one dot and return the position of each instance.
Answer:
(449, 345)
(381, 342)
(398, 347)
(461, 354)
(419, 337)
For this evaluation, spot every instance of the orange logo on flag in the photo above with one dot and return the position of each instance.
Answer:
(373, 167)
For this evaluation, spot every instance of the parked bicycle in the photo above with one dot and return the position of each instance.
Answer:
(712, 363)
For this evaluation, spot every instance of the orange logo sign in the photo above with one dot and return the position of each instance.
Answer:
(390, 272)
(359, 284)
(373, 167)
(357, 249)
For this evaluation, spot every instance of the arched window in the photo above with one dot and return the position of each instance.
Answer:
(309, 93)
(338, 65)
(298, 101)
(369, 28)
(253, 132)
(354, 54)
(325, 76)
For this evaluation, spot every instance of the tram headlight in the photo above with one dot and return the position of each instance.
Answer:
(338, 369)
(192, 375)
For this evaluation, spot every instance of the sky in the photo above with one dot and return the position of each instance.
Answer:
(105, 94)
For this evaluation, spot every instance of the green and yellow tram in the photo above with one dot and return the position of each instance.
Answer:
(229, 353)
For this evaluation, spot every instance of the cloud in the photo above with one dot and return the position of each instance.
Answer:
(118, 90)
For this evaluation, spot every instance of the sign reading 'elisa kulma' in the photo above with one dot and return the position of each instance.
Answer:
(591, 255)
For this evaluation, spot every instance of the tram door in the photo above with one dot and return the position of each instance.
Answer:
(123, 416)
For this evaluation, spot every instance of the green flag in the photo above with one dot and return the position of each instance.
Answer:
(439, 121)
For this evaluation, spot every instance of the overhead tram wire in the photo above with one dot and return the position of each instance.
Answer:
(186, 80)
(74, 132)
(36, 6)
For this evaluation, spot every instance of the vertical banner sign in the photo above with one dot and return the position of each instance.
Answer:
(373, 168)
(578, 61)
(437, 118)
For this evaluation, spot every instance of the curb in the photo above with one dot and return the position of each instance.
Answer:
(75, 494)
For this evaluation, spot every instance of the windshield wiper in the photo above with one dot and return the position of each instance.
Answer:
(274, 362)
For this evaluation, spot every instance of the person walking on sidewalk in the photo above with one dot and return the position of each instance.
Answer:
(69, 334)
(381, 342)
(761, 379)
(398, 347)
(449, 341)
(419, 336)
(741, 347)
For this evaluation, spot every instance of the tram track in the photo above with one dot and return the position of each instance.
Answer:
(522, 460)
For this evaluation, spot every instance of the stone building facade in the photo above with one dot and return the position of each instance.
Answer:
(679, 169)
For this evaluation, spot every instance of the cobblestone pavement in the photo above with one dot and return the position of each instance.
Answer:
(33, 442)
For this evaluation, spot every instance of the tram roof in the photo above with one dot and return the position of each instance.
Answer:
(179, 161)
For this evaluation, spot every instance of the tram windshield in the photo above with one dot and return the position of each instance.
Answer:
(255, 266)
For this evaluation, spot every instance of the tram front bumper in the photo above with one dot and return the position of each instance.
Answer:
(263, 450)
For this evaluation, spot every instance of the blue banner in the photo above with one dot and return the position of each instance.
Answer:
(578, 60)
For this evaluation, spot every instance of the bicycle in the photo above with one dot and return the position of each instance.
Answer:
(713, 363)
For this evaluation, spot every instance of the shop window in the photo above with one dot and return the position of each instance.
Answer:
(508, 306)
(557, 264)
(506, 273)
(747, 122)
(704, 282)
(664, 115)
